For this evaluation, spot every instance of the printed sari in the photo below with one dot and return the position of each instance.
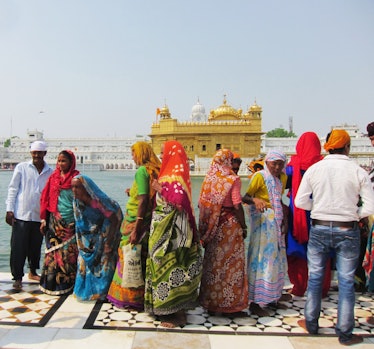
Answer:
(56, 207)
(224, 285)
(133, 297)
(174, 264)
(96, 228)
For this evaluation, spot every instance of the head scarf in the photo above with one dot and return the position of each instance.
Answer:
(274, 155)
(216, 186)
(51, 192)
(175, 179)
(370, 129)
(337, 140)
(308, 152)
(96, 194)
(145, 156)
(259, 163)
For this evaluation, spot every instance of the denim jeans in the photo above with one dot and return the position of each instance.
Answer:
(346, 244)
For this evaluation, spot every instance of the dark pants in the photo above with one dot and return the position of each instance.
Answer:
(26, 241)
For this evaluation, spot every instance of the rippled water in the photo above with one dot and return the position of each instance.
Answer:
(113, 183)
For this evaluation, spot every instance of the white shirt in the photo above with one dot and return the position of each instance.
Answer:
(24, 191)
(331, 189)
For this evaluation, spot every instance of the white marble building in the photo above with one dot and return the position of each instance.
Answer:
(114, 153)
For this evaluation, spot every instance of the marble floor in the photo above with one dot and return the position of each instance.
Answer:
(30, 319)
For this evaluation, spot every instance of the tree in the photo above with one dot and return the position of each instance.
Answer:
(280, 133)
(7, 143)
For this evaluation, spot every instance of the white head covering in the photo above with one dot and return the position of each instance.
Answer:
(38, 146)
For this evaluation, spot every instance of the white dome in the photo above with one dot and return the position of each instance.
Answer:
(198, 112)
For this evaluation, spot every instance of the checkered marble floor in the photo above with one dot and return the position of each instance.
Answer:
(280, 321)
(30, 306)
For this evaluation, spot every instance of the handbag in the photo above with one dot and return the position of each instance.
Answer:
(132, 275)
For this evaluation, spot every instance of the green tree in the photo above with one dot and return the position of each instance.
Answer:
(280, 133)
(7, 143)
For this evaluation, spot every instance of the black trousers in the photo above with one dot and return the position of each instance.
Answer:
(26, 242)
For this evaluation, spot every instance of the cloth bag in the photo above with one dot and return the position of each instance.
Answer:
(132, 275)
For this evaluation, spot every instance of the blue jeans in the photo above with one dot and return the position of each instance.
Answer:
(346, 244)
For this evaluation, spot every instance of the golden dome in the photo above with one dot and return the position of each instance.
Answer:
(225, 110)
(255, 107)
(164, 112)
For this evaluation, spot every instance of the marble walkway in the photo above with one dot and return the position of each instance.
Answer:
(31, 319)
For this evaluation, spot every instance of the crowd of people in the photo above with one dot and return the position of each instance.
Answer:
(179, 261)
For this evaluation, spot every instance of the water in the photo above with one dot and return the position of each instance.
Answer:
(113, 183)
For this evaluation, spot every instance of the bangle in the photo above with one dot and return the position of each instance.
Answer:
(43, 221)
(139, 218)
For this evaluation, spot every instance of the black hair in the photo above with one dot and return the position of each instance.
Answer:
(237, 161)
(67, 154)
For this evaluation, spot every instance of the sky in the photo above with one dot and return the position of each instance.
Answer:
(89, 68)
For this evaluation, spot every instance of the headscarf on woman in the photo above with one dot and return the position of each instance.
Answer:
(175, 179)
(216, 185)
(51, 192)
(308, 152)
(144, 155)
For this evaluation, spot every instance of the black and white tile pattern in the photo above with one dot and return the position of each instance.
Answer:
(29, 307)
(280, 321)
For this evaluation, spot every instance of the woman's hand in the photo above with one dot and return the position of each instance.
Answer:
(107, 248)
(260, 204)
(156, 185)
(43, 226)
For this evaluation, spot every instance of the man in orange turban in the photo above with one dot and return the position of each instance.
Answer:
(330, 189)
(337, 139)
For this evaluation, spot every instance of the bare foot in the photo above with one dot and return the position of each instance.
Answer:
(173, 320)
(257, 310)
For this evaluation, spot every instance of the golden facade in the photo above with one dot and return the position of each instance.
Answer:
(225, 127)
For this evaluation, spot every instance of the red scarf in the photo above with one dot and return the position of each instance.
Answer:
(308, 152)
(51, 192)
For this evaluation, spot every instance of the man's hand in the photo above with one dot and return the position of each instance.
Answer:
(9, 218)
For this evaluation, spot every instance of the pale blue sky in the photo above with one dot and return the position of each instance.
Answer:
(101, 68)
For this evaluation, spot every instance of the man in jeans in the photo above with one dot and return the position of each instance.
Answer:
(331, 189)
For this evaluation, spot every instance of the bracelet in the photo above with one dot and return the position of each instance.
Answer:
(139, 218)
(43, 221)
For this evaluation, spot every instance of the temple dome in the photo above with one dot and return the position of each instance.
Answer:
(198, 112)
(255, 107)
(225, 111)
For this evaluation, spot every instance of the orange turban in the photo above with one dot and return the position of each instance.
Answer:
(338, 139)
(235, 156)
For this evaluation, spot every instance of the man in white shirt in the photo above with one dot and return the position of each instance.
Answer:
(331, 189)
(23, 213)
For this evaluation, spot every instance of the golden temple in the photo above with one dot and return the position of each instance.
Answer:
(225, 127)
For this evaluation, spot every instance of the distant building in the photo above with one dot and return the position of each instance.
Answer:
(91, 153)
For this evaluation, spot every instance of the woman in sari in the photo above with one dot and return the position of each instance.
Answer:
(175, 260)
(224, 286)
(58, 226)
(267, 262)
(98, 219)
(136, 224)
(308, 152)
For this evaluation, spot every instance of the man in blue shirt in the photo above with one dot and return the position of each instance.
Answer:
(23, 212)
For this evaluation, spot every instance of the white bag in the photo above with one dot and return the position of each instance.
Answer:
(132, 275)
